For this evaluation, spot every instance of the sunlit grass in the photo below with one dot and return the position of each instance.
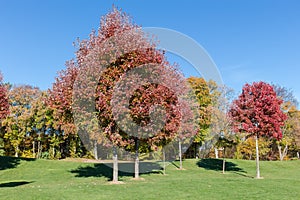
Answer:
(44, 179)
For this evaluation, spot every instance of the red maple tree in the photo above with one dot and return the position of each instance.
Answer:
(101, 62)
(121, 47)
(257, 113)
(4, 104)
(61, 97)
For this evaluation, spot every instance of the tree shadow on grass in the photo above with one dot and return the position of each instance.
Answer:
(14, 183)
(125, 169)
(217, 165)
(11, 162)
(175, 165)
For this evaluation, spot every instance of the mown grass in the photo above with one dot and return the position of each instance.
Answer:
(202, 179)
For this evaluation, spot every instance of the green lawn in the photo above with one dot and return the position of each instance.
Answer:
(44, 179)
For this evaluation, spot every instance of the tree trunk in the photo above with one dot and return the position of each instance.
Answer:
(33, 148)
(96, 149)
(257, 158)
(283, 153)
(136, 160)
(39, 149)
(74, 148)
(17, 152)
(280, 153)
(164, 161)
(199, 152)
(115, 165)
(216, 153)
(224, 162)
(180, 155)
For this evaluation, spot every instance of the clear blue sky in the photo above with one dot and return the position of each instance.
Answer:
(248, 40)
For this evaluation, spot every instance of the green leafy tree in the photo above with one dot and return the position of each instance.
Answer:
(19, 123)
(246, 148)
(202, 93)
(42, 124)
(292, 129)
(289, 130)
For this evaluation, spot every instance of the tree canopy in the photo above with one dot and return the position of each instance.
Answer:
(257, 111)
(4, 105)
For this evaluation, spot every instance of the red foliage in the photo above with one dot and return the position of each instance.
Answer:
(141, 102)
(101, 61)
(120, 47)
(61, 96)
(257, 111)
(4, 104)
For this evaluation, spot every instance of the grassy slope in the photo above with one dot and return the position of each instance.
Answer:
(42, 179)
